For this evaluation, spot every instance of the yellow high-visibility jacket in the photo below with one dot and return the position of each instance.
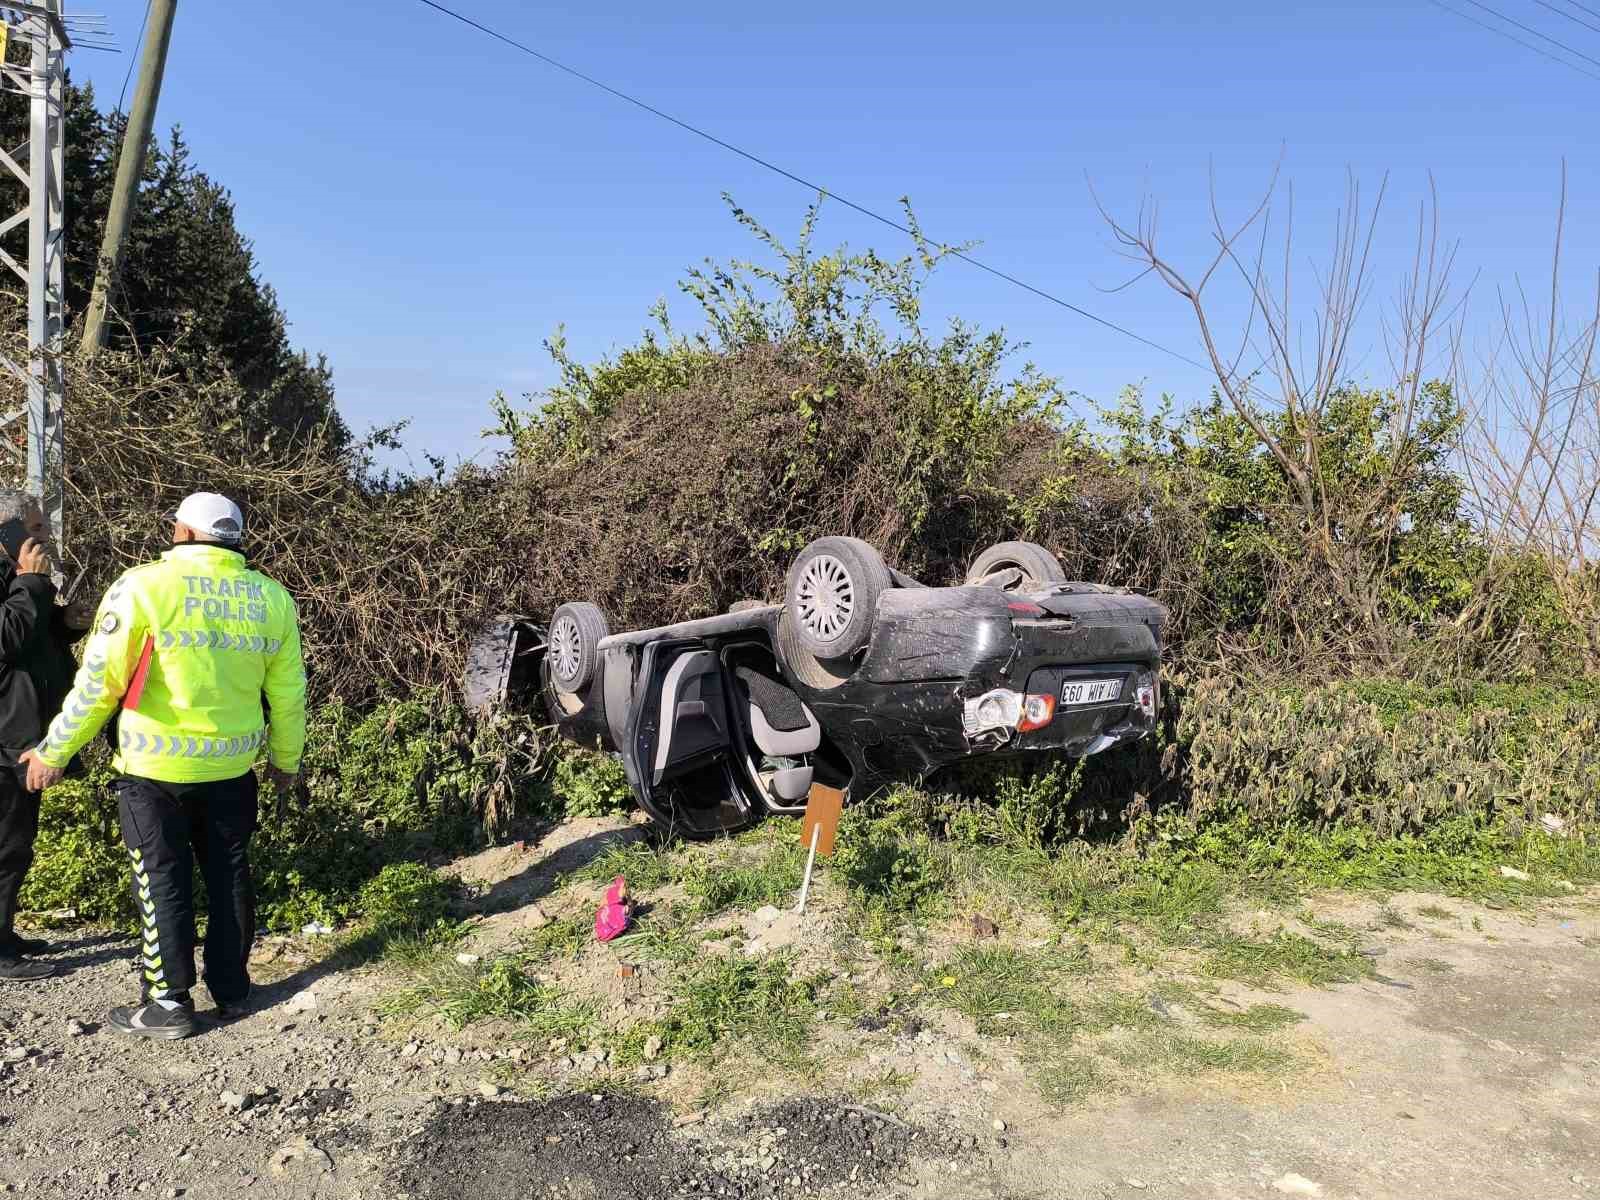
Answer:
(219, 636)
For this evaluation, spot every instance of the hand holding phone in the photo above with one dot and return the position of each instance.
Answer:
(33, 559)
(13, 534)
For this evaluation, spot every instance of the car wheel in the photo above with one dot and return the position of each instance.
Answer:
(832, 595)
(800, 662)
(574, 653)
(490, 681)
(1016, 567)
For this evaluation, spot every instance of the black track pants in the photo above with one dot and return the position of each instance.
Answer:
(19, 825)
(168, 827)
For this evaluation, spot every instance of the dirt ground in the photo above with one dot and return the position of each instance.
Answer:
(1468, 1066)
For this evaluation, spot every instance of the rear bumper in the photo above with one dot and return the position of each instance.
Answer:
(937, 652)
(1089, 728)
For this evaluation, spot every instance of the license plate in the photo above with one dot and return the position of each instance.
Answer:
(1090, 691)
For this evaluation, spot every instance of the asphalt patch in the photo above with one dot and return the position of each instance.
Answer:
(612, 1147)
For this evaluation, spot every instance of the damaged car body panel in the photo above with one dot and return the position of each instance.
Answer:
(918, 701)
(723, 719)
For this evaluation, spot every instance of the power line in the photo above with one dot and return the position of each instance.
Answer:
(128, 74)
(1561, 12)
(1584, 8)
(1514, 38)
(1530, 29)
(815, 187)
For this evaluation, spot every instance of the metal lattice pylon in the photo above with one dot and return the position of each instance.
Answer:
(35, 433)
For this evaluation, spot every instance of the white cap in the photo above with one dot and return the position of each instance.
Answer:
(211, 515)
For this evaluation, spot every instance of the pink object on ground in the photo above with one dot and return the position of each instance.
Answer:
(612, 917)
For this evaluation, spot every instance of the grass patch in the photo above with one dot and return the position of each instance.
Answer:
(1069, 1078)
(1186, 1054)
(1333, 931)
(1258, 1018)
(1170, 908)
(1119, 1011)
(891, 864)
(501, 990)
(1388, 918)
(1267, 963)
(1158, 1053)
(407, 918)
(728, 882)
(1006, 990)
(727, 1000)
(890, 1083)
(1158, 901)
(564, 937)
(984, 982)
(408, 950)
(667, 937)
(646, 867)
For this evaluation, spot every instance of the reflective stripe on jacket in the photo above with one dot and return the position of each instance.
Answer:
(220, 637)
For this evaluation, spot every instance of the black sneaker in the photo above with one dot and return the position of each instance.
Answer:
(22, 969)
(154, 1020)
(17, 946)
(228, 1011)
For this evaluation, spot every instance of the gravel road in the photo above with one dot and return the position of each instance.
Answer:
(1470, 1068)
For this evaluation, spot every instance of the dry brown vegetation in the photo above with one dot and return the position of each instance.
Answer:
(1332, 531)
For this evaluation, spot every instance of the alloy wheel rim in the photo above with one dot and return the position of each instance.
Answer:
(565, 650)
(825, 597)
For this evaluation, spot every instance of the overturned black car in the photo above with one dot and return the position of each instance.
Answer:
(861, 677)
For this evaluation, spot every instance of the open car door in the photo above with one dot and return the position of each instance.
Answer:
(680, 743)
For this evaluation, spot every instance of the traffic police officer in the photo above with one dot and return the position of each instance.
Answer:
(186, 647)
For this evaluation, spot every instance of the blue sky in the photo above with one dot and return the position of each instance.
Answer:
(430, 205)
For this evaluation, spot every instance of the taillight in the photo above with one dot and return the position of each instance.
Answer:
(1147, 698)
(1037, 712)
(997, 709)
(1005, 709)
(1023, 608)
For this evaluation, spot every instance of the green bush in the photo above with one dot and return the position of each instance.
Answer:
(888, 855)
(79, 859)
(402, 782)
(406, 897)
(1327, 756)
(1370, 784)
(403, 769)
(586, 784)
(396, 783)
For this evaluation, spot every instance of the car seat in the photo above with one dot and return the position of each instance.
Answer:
(692, 728)
(782, 729)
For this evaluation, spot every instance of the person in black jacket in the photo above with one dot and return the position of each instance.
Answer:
(36, 669)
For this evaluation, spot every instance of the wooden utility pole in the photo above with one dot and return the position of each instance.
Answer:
(130, 170)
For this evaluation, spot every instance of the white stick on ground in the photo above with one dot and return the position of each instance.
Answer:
(811, 861)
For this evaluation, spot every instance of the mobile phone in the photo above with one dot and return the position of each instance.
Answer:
(12, 534)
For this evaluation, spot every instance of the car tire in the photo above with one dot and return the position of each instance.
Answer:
(801, 664)
(574, 651)
(488, 679)
(832, 593)
(1037, 566)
